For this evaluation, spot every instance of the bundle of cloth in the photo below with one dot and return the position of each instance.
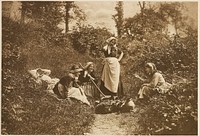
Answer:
(109, 106)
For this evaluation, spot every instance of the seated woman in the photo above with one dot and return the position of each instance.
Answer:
(75, 72)
(155, 82)
(65, 89)
(88, 79)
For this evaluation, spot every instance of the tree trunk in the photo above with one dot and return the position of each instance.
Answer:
(176, 29)
(22, 13)
(142, 7)
(118, 18)
(67, 8)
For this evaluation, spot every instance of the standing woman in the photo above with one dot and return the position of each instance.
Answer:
(87, 79)
(111, 81)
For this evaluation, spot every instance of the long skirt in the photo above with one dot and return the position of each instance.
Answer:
(90, 90)
(60, 90)
(120, 91)
(79, 94)
(145, 91)
(148, 91)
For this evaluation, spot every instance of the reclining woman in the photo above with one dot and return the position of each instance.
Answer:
(110, 80)
(65, 88)
(154, 83)
(42, 77)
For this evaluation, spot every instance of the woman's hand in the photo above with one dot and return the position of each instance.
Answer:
(145, 84)
(39, 81)
(137, 76)
(91, 77)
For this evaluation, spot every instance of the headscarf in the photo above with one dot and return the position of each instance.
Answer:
(88, 64)
(108, 47)
(110, 39)
(75, 69)
(152, 66)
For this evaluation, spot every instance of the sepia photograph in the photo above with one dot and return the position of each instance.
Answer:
(99, 67)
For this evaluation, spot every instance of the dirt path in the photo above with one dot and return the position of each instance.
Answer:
(107, 124)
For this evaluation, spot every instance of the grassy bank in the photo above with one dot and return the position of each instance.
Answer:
(26, 107)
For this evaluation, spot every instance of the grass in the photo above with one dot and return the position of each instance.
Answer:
(33, 111)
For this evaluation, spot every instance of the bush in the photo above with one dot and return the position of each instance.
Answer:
(173, 113)
(168, 55)
(89, 40)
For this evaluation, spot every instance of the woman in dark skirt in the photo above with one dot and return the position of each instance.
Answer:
(111, 81)
(65, 89)
(87, 79)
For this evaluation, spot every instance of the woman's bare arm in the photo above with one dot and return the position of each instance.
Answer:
(121, 56)
(137, 76)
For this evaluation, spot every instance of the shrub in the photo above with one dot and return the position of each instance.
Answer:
(168, 55)
(89, 40)
(173, 113)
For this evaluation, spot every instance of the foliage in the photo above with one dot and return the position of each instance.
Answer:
(150, 20)
(46, 13)
(169, 55)
(50, 14)
(78, 13)
(118, 18)
(72, 11)
(11, 41)
(147, 22)
(173, 11)
(89, 40)
(44, 17)
(173, 113)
